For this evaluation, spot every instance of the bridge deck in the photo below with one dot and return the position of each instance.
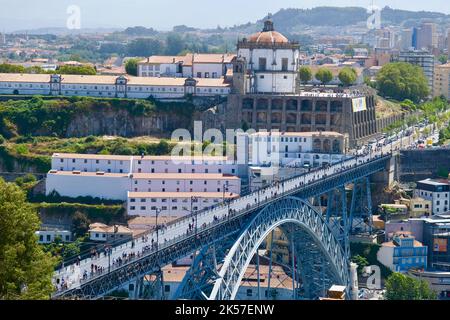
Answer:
(175, 241)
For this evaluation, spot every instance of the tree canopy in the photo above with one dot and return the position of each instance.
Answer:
(82, 70)
(305, 74)
(11, 68)
(347, 76)
(324, 75)
(25, 270)
(401, 80)
(144, 47)
(131, 67)
(403, 287)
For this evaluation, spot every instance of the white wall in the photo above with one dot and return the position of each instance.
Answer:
(210, 68)
(443, 198)
(105, 187)
(170, 207)
(90, 165)
(182, 166)
(386, 257)
(158, 184)
(109, 90)
(48, 236)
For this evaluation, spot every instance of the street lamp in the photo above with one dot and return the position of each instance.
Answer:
(224, 188)
(109, 249)
(196, 213)
(158, 211)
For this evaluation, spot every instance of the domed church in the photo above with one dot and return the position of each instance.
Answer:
(267, 62)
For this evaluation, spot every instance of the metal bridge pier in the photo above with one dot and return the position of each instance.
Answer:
(361, 206)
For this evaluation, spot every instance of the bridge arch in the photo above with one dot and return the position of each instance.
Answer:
(288, 211)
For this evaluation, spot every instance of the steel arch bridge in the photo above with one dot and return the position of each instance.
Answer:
(319, 241)
(306, 224)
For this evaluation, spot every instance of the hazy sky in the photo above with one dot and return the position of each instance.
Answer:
(164, 14)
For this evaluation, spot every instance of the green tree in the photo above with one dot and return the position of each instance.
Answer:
(443, 59)
(174, 44)
(131, 67)
(11, 68)
(408, 105)
(403, 287)
(347, 76)
(401, 80)
(144, 47)
(360, 261)
(80, 224)
(81, 70)
(305, 74)
(25, 270)
(324, 75)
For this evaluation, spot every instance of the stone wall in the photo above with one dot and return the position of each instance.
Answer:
(415, 165)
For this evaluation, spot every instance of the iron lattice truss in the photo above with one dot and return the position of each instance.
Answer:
(307, 221)
(186, 245)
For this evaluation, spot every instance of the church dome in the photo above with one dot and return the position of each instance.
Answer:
(268, 35)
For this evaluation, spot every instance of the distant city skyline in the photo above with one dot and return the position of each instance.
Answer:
(164, 14)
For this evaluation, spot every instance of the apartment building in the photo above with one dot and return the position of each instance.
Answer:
(442, 81)
(437, 191)
(422, 59)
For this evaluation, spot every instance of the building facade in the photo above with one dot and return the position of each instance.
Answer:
(48, 236)
(111, 177)
(111, 86)
(267, 62)
(436, 191)
(191, 65)
(442, 81)
(350, 112)
(173, 204)
(294, 148)
(145, 164)
(422, 59)
(403, 253)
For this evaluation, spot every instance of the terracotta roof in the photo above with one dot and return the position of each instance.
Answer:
(150, 221)
(199, 195)
(111, 80)
(111, 229)
(20, 77)
(137, 157)
(213, 58)
(268, 37)
(90, 156)
(87, 174)
(162, 59)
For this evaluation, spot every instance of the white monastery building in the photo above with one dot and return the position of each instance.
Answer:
(191, 65)
(267, 62)
(111, 86)
(147, 182)
(148, 164)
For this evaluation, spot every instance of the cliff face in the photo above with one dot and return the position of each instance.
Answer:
(121, 123)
